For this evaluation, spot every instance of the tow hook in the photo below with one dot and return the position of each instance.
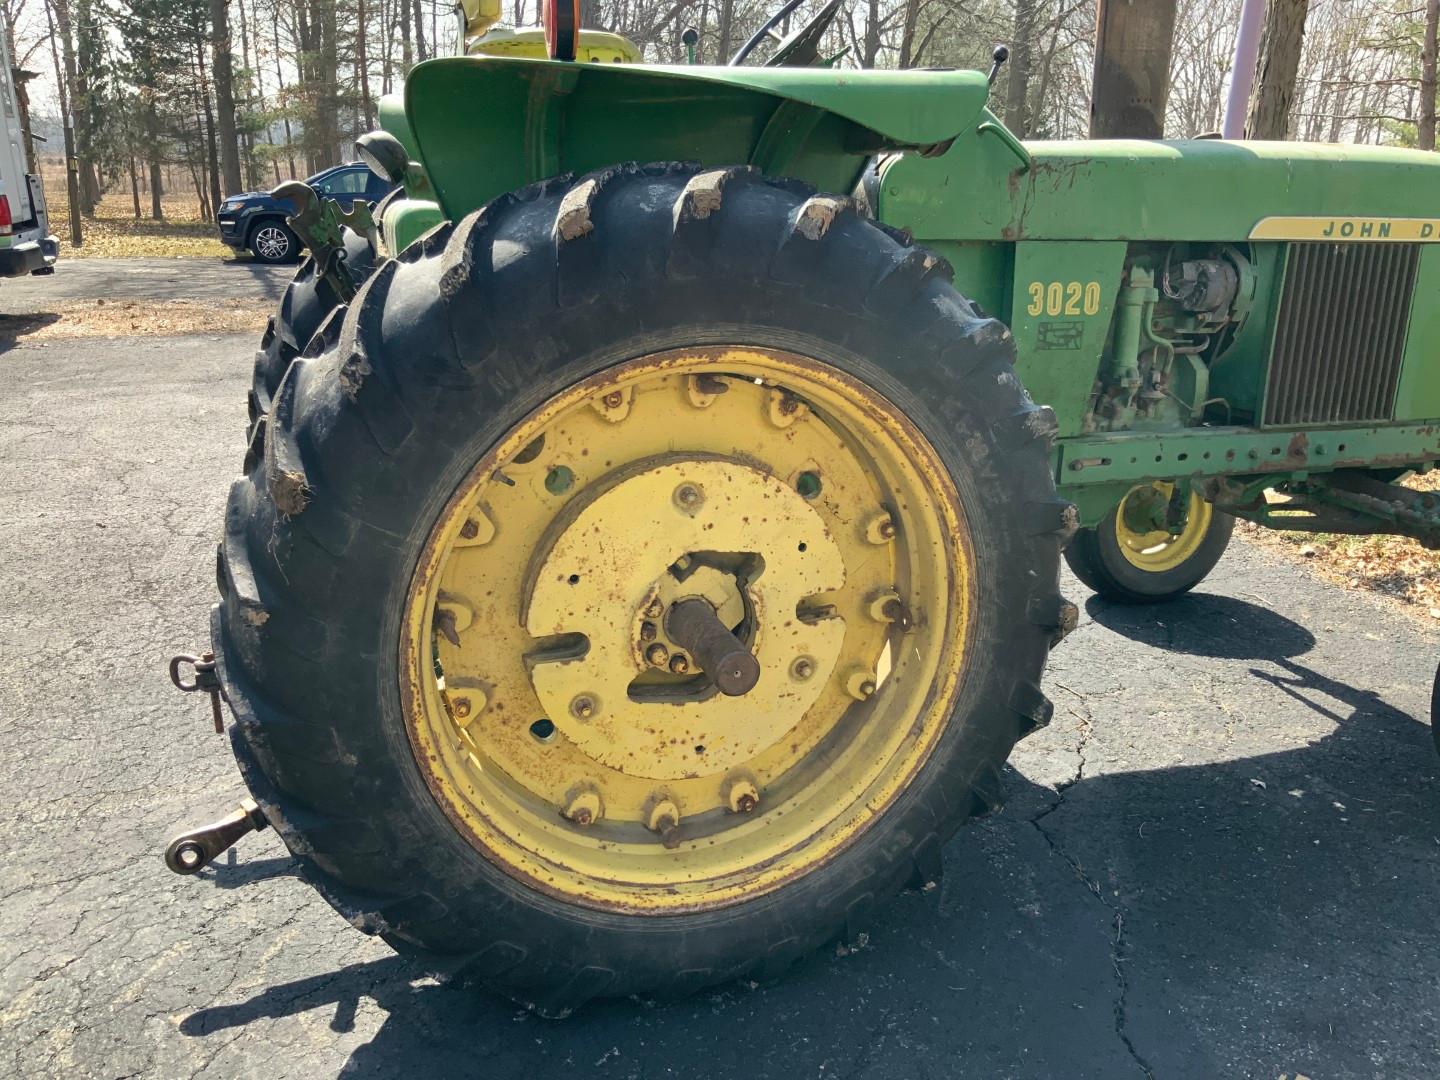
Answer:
(192, 851)
(205, 681)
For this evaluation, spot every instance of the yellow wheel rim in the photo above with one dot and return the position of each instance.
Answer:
(1158, 550)
(572, 740)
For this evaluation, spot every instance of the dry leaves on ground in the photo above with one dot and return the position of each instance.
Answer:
(1393, 566)
(122, 318)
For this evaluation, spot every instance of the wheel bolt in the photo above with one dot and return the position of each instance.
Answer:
(614, 399)
(679, 664)
(742, 797)
(583, 707)
(654, 609)
(657, 654)
(584, 807)
(461, 707)
(470, 529)
(688, 497)
(647, 631)
(802, 668)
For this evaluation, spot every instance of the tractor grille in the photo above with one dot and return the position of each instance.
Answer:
(1340, 333)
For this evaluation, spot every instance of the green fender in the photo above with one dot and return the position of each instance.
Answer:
(482, 126)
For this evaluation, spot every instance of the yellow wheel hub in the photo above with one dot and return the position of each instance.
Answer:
(559, 719)
(1157, 550)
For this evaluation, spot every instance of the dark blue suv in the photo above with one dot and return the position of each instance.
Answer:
(256, 221)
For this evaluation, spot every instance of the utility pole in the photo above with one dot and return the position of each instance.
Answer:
(1132, 68)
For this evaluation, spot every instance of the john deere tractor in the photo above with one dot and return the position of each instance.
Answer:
(647, 550)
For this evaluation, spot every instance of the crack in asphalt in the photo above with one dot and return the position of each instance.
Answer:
(1118, 944)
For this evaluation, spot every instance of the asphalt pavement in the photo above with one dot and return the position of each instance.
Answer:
(189, 278)
(1220, 860)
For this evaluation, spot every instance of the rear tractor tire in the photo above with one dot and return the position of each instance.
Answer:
(1139, 564)
(651, 574)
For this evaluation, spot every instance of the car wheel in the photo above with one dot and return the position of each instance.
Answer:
(274, 242)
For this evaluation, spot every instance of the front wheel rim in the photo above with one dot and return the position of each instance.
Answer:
(539, 716)
(272, 243)
(1158, 550)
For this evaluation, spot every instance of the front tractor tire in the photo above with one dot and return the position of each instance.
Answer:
(504, 548)
(1133, 562)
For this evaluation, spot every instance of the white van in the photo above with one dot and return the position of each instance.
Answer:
(26, 246)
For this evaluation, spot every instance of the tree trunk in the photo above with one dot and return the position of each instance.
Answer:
(328, 83)
(83, 49)
(1017, 84)
(1275, 71)
(72, 180)
(362, 70)
(68, 81)
(230, 177)
(407, 58)
(872, 35)
(134, 187)
(1426, 138)
(1132, 68)
(212, 153)
(280, 94)
(725, 30)
(420, 28)
(907, 33)
(152, 137)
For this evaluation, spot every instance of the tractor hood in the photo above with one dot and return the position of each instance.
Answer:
(482, 126)
(1204, 189)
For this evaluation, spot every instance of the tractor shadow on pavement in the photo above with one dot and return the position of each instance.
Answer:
(1206, 624)
(1252, 916)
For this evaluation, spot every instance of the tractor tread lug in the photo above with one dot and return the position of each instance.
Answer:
(694, 217)
(1033, 708)
(285, 477)
(381, 408)
(926, 865)
(906, 277)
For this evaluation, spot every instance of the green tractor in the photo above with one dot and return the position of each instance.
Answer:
(647, 550)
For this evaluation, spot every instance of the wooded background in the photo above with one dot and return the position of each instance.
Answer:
(221, 96)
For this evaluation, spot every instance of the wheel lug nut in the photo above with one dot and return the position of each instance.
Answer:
(583, 707)
(860, 685)
(742, 796)
(584, 807)
(880, 529)
(647, 631)
(654, 609)
(802, 668)
(461, 707)
(614, 399)
(679, 664)
(664, 818)
(657, 654)
(688, 497)
(470, 529)
(887, 606)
